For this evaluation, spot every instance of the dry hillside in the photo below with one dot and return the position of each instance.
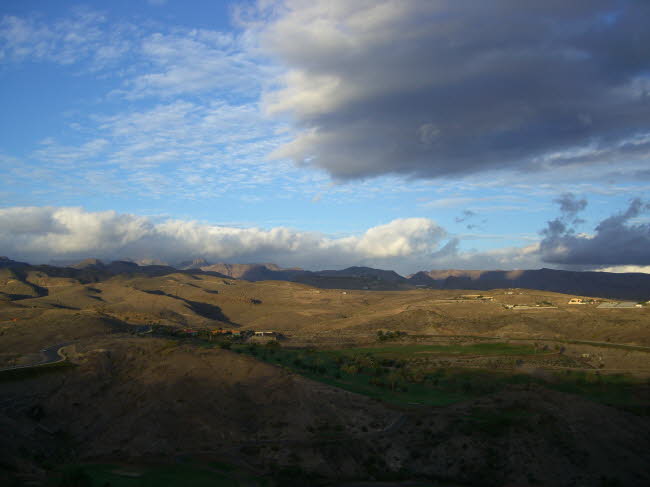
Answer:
(124, 398)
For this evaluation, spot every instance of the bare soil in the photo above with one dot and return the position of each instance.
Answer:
(131, 398)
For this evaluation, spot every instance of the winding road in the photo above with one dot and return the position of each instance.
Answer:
(51, 355)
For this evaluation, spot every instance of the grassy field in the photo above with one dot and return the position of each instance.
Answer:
(618, 390)
(617, 346)
(388, 373)
(101, 475)
(411, 351)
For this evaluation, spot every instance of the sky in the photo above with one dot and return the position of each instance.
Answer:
(401, 134)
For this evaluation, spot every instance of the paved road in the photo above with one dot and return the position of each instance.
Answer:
(51, 355)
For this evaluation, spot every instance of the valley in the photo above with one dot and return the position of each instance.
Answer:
(290, 384)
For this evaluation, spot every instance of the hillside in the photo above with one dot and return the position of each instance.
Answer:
(254, 272)
(635, 286)
(161, 399)
(602, 284)
(202, 300)
(142, 396)
(629, 286)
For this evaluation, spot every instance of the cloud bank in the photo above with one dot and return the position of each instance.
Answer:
(42, 234)
(616, 241)
(431, 89)
(619, 243)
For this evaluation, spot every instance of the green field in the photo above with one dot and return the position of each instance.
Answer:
(413, 351)
(618, 390)
(385, 372)
(391, 374)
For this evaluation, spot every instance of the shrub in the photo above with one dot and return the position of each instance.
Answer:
(390, 335)
(273, 345)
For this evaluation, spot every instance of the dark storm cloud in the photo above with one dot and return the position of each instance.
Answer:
(570, 206)
(455, 87)
(616, 241)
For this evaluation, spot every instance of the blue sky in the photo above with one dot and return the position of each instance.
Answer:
(325, 119)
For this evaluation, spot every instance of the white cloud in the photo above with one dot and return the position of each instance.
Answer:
(162, 61)
(504, 259)
(191, 149)
(454, 202)
(174, 141)
(39, 234)
(84, 35)
(644, 269)
(400, 238)
(474, 202)
(54, 153)
(194, 61)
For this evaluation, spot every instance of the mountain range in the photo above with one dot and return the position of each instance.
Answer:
(634, 286)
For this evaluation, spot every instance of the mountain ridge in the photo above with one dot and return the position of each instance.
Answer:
(634, 286)
(584, 283)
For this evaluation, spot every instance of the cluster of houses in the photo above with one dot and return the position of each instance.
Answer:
(606, 305)
(220, 332)
(237, 333)
(475, 297)
(583, 301)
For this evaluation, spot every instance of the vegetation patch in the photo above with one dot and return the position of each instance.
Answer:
(619, 390)
(395, 374)
(406, 351)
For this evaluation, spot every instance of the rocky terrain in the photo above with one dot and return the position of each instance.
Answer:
(602, 284)
(129, 400)
(36, 303)
(632, 286)
(128, 395)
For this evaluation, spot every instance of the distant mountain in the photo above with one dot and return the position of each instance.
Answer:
(635, 286)
(193, 264)
(149, 262)
(255, 272)
(355, 278)
(94, 270)
(350, 278)
(89, 264)
(365, 272)
(7, 262)
(601, 284)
